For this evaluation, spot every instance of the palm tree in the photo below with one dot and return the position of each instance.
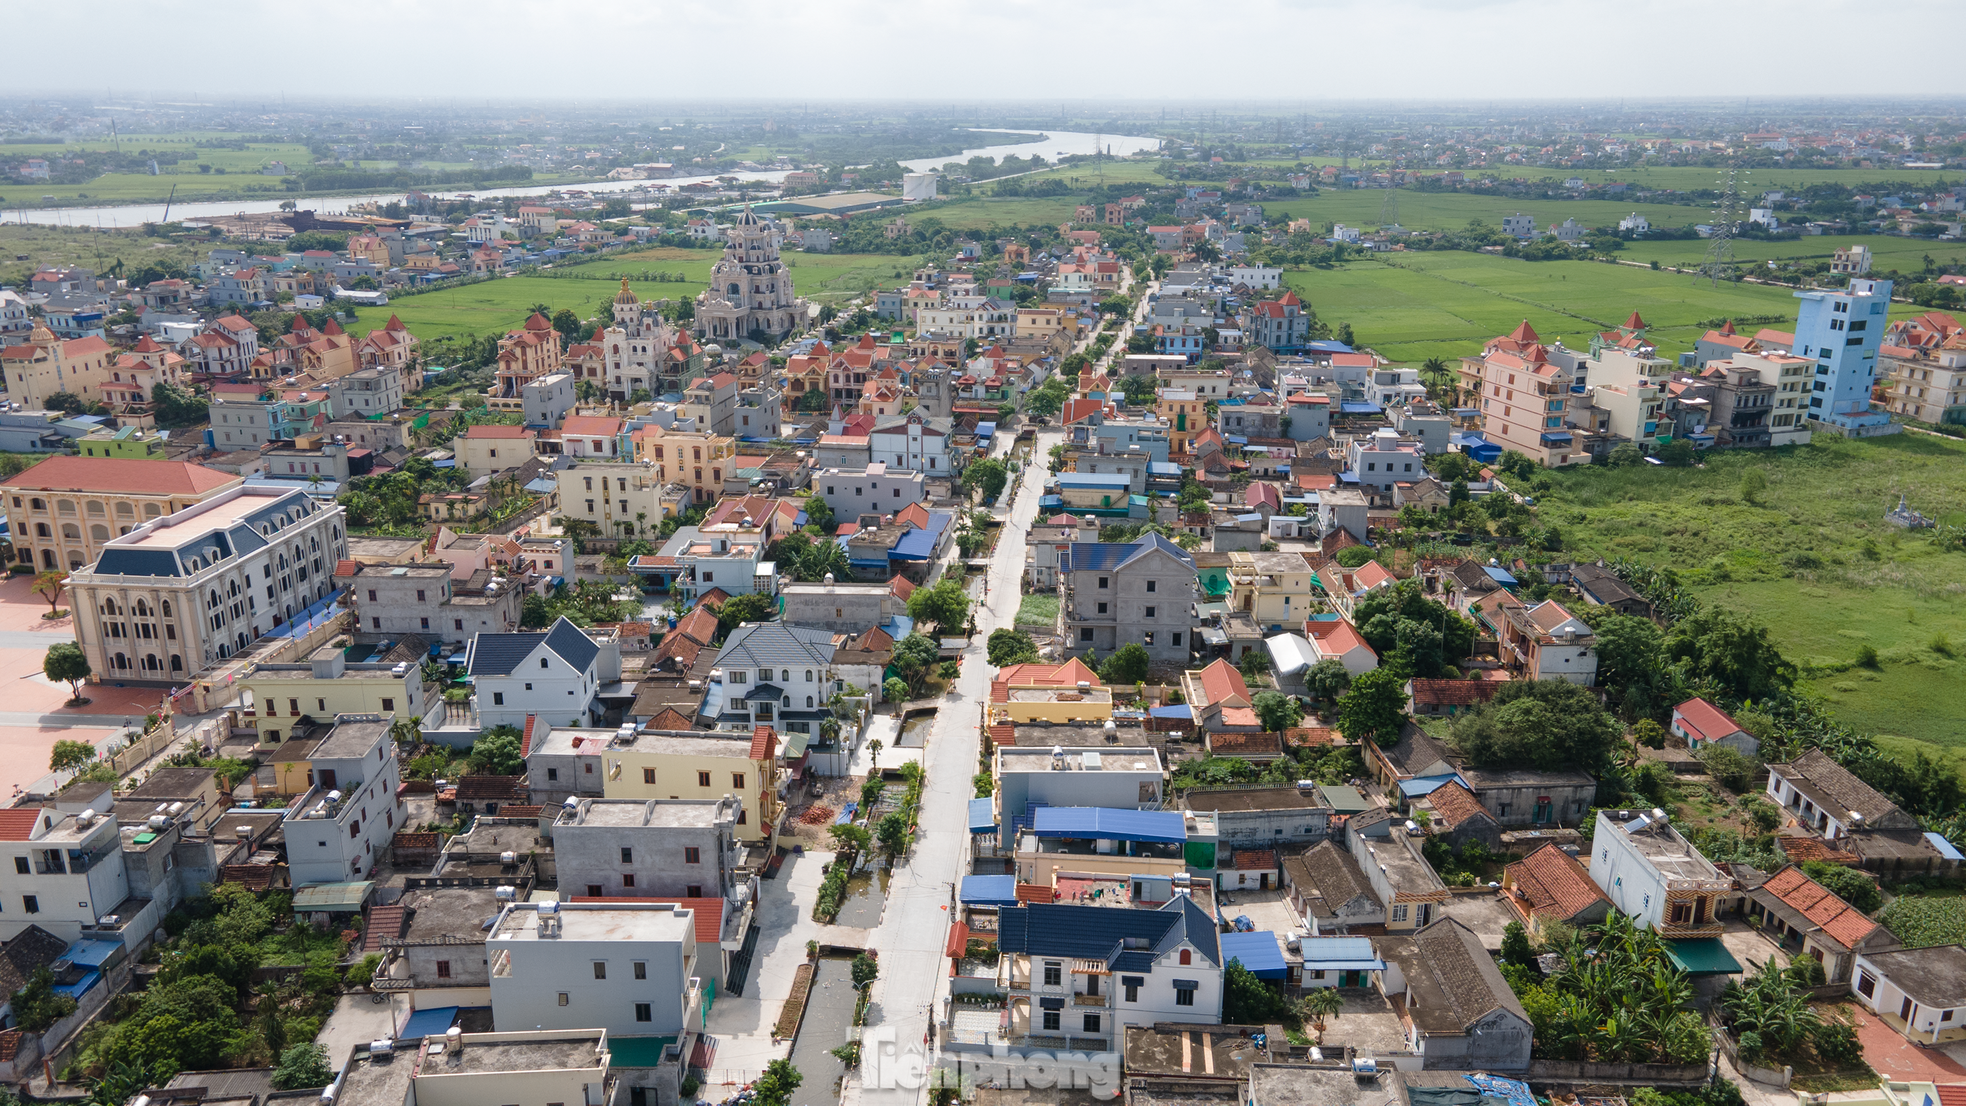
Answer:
(1440, 379)
(874, 748)
(1321, 1005)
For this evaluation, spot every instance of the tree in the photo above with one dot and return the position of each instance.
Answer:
(1276, 711)
(1542, 724)
(66, 662)
(819, 512)
(48, 585)
(1320, 1006)
(37, 1006)
(945, 605)
(1624, 455)
(894, 690)
(1678, 453)
(1127, 665)
(1717, 644)
(1327, 680)
(567, 323)
(1247, 1000)
(1852, 885)
(892, 833)
(1374, 706)
(739, 609)
(69, 753)
(866, 969)
(850, 840)
(775, 1086)
(303, 1066)
(1515, 946)
(1007, 647)
(988, 476)
(497, 753)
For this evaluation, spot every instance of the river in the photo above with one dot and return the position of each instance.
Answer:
(1051, 146)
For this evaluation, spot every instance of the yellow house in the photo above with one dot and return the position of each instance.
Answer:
(484, 450)
(45, 366)
(1186, 415)
(1275, 589)
(695, 459)
(700, 764)
(65, 509)
(1068, 692)
(327, 685)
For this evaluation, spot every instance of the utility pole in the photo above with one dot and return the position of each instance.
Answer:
(1719, 261)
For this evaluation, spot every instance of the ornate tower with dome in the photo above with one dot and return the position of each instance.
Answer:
(750, 288)
(635, 348)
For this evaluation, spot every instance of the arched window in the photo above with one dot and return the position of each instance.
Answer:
(177, 662)
(124, 510)
(99, 532)
(119, 661)
(109, 606)
(151, 663)
(74, 561)
(47, 558)
(787, 702)
(152, 510)
(808, 702)
(167, 608)
(784, 675)
(41, 530)
(71, 531)
(38, 505)
(64, 507)
(808, 675)
(97, 510)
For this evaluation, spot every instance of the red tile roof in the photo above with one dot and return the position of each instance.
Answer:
(498, 788)
(1820, 905)
(1456, 804)
(1245, 744)
(128, 475)
(1553, 883)
(1035, 892)
(1454, 693)
(1254, 860)
(1312, 736)
(18, 824)
(1800, 849)
(763, 740)
(1221, 682)
(590, 426)
(384, 922)
(669, 719)
(1705, 721)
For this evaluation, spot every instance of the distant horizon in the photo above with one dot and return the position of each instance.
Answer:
(1289, 53)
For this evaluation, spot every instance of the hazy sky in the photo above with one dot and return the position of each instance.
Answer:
(1292, 51)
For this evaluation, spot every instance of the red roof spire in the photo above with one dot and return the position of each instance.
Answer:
(1524, 333)
(1634, 323)
(1727, 327)
(394, 323)
(331, 327)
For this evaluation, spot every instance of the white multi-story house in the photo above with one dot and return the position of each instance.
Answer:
(781, 676)
(341, 827)
(63, 871)
(915, 441)
(182, 592)
(1086, 973)
(628, 968)
(554, 674)
(1651, 872)
(1382, 459)
(877, 490)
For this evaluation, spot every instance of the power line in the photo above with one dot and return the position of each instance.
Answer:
(1719, 261)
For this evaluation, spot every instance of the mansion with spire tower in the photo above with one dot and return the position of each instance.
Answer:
(750, 288)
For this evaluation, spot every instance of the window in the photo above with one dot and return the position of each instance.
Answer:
(1866, 986)
(1177, 637)
(742, 815)
(737, 781)
(1102, 608)
(1150, 612)
(600, 969)
(498, 700)
(627, 879)
(1054, 973)
(1103, 581)
(563, 998)
(1399, 913)
(1132, 989)
(1184, 996)
(543, 663)
(443, 969)
(703, 779)
(648, 775)
(641, 969)
(1051, 1019)
(593, 890)
(552, 774)
(691, 855)
(627, 855)
(389, 705)
(1085, 633)
(644, 1012)
(1187, 957)
(1092, 1023)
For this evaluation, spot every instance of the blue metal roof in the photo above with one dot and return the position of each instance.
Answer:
(1420, 786)
(1499, 575)
(1164, 826)
(1328, 346)
(1177, 710)
(989, 890)
(427, 1023)
(1344, 954)
(1092, 480)
(919, 545)
(1258, 951)
(91, 954)
(1360, 408)
(982, 816)
(1945, 847)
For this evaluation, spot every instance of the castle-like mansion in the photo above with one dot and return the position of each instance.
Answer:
(750, 288)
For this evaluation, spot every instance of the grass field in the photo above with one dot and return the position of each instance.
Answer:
(1412, 306)
(1814, 560)
(500, 305)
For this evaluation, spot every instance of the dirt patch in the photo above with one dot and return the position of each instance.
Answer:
(795, 1003)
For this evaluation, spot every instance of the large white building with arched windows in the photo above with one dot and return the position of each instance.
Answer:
(750, 287)
(180, 593)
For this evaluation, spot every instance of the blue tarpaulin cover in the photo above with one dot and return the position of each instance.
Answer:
(1164, 826)
(1258, 952)
(91, 954)
(428, 1023)
(989, 890)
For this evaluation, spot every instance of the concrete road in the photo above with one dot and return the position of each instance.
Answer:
(922, 894)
